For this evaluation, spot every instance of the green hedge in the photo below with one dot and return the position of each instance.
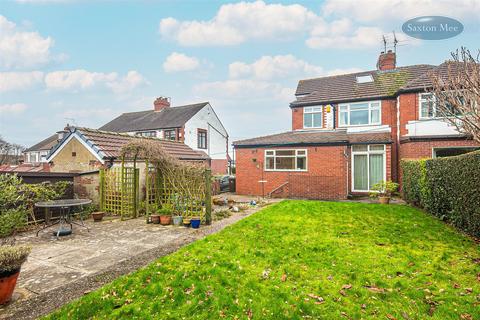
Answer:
(449, 188)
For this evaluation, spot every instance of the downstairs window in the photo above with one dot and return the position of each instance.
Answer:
(286, 160)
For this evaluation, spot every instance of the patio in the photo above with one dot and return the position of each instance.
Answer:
(58, 271)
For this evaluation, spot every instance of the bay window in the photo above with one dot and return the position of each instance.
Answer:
(361, 113)
(285, 160)
(368, 166)
(312, 117)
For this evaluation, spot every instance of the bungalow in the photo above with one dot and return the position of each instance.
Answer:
(84, 149)
(349, 132)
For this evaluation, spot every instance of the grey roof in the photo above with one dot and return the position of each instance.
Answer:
(172, 117)
(337, 137)
(45, 144)
(343, 88)
(425, 80)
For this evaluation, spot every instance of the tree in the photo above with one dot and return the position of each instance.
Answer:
(456, 90)
(10, 153)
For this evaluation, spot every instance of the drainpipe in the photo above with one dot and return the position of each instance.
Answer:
(397, 144)
(345, 154)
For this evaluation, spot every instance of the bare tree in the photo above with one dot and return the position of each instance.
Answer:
(10, 153)
(456, 90)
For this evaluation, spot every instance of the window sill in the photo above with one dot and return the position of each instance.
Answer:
(284, 170)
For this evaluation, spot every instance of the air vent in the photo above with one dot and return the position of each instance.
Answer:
(364, 79)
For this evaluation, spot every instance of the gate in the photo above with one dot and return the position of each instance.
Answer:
(119, 188)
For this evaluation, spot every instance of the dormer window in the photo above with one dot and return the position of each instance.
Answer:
(365, 78)
(312, 117)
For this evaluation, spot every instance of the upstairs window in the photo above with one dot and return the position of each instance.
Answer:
(170, 134)
(429, 107)
(361, 113)
(312, 117)
(286, 160)
(202, 139)
(146, 134)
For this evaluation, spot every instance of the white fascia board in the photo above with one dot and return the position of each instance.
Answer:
(75, 135)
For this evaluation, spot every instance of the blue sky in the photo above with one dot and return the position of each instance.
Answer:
(85, 62)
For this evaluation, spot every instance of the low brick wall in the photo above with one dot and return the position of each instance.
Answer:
(87, 185)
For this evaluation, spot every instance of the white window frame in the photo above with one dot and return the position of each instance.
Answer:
(312, 111)
(420, 100)
(370, 108)
(295, 156)
(368, 152)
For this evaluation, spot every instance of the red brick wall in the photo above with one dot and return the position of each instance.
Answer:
(408, 110)
(423, 149)
(219, 166)
(326, 177)
(297, 118)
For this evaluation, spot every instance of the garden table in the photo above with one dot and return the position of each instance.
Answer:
(65, 218)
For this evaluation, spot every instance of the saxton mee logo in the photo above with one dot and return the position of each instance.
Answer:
(432, 27)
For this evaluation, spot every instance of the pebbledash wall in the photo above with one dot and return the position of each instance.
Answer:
(325, 178)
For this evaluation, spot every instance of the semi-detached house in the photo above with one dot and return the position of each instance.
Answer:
(349, 132)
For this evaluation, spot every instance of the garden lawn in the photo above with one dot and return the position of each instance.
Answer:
(305, 259)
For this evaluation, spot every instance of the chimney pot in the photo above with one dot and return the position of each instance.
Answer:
(161, 103)
(387, 61)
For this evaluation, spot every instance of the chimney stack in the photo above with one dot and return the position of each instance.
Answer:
(387, 61)
(161, 103)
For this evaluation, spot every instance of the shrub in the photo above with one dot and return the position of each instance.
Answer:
(12, 258)
(17, 200)
(448, 188)
(384, 189)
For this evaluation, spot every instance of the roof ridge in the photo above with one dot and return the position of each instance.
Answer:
(182, 106)
(367, 71)
(127, 135)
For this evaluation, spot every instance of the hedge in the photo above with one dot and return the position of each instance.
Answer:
(448, 188)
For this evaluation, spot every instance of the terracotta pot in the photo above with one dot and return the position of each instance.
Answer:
(165, 220)
(384, 200)
(155, 218)
(97, 216)
(7, 285)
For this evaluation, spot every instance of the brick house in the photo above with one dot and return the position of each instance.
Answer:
(349, 132)
(196, 125)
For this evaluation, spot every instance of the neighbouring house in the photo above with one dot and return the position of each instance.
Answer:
(85, 151)
(196, 125)
(38, 152)
(348, 133)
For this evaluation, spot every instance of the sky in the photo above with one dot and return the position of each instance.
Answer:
(86, 62)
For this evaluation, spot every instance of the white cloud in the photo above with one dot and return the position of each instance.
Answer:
(274, 67)
(132, 80)
(12, 109)
(361, 37)
(82, 79)
(236, 23)
(381, 10)
(22, 49)
(10, 81)
(176, 62)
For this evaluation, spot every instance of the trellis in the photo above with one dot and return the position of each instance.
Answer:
(119, 191)
(182, 187)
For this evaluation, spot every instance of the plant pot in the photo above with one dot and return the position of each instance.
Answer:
(177, 220)
(97, 216)
(165, 220)
(155, 218)
(186, 222)
(384, 200)
(7, 285)
(195, 223)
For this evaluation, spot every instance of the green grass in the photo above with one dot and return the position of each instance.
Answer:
(400, 263)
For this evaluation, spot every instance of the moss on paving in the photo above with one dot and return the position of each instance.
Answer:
(298, 259)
